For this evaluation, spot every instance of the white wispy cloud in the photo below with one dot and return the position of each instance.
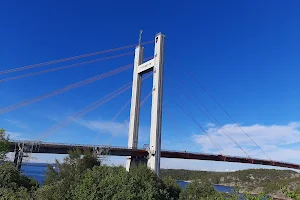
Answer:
(209, 125)
(118, 129)
(17, 123)
(103, 126)
(278, 141)
(16, 135)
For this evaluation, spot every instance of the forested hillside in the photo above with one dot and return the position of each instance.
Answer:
(253, 180)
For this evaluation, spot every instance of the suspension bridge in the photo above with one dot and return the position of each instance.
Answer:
(143, 68)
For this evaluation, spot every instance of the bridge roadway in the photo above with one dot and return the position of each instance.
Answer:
(61, 148)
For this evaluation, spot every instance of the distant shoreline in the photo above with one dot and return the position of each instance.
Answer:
(37, 164)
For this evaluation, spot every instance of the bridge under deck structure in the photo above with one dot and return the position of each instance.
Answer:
(20, 147)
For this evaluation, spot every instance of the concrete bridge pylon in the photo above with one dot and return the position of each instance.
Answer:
(157, 66)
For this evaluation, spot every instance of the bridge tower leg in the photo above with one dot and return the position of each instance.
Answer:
(156, 110)
(135, 104)
(156, 65)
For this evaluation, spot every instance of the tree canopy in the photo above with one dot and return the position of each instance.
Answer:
(60, 182)
(82, 177)
(199, 191)
(4, 145)
(104, 182)
(14, 185)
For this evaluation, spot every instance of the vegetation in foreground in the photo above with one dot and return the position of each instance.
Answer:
(81, 176)
(4, 145)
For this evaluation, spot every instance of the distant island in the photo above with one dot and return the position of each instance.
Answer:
(254, 181)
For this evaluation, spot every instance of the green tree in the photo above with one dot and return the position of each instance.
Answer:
(199, 191)
(116, 183)
(291, 194)
(10, 194)
(60, 183)
(12, 178)
(14, 185)
(101, 182)
(172, 187)
(72, 167)
(4, 145)
(146, 185)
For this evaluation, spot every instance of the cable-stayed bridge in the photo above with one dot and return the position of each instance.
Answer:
(143, 68)
(140, 154)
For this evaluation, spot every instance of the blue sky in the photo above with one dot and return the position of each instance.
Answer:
(246, 54)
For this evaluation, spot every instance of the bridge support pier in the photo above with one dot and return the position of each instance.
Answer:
(138, 160)
(19, 153)
(156, 65)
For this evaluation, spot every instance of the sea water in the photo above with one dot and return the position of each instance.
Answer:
(219, 188)
(35, 170)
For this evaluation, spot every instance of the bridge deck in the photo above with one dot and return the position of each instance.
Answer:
(60, 148)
